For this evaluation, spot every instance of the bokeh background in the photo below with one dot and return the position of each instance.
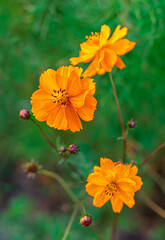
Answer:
(36, 35)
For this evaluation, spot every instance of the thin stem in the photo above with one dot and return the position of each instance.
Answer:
(97, 231)
(153, 206)
(156, 177)
(70, 223)
(124, 134)
(65, 186)
(152, 155)
(114, 226)
(44, 134)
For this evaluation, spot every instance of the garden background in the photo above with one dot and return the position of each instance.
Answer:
(37, 35)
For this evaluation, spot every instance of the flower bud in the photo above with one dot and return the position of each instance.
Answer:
(86, 220)
(131, 124)
(133, 162)
(24, 113)
(63, 149)
(73, 148)
(31, 168)
(116, 163)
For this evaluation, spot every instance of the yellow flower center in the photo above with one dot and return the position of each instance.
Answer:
(94, 36)
(110, 189)
(60, 96)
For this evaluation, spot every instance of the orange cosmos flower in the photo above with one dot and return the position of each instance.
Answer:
(63, 97)
(113, 181)
(103, 51)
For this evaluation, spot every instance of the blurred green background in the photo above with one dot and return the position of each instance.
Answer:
(37, 35)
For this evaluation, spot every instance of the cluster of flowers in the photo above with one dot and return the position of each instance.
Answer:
(67, 94)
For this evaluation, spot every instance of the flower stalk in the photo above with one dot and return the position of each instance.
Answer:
(114, 226)
(65, 186)
(44, 134)
(70, 222)
(152, 155)
(152, 205)
(124, 132)
(156, 177)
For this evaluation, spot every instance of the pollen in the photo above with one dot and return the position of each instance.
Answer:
(60, 96)
(94, 36)
(110, 189)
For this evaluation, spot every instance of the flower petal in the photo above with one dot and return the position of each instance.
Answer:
(89, 84)
(74, 87)
(95, 66)
(78, 101)
(100, 57)
(52, 115)
(92, 189)
(118, 34)
(73, 119)
(133, 171)
(119, 63)
(41, 94)
(82, 58)
(89, 48)
(126, 184)
(96, 169)
(109, 60)
(122, 46)
(104, 34)
(40, 109)
(48, 81)
(78, 70)
(117, 204)
(60, 121)
(90, 71)
(100, 199)
(126, 197)
(86, 112)
(138, 181)
(61, 81)
(97, 178)
(131, 46)
(107, 167)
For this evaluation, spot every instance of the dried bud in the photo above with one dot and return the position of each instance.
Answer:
(86, 220)
(63, 149)
(73, 148)
(131, 124)
(116, 163)
(31, 168)
(24, 113)
(133, 162)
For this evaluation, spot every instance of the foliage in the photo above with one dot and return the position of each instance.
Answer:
(36, 35)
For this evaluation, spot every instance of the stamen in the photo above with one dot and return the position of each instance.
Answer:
(110, 189)
(60, 96)
(94, 36)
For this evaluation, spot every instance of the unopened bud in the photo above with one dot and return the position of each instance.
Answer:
(131, 124)
(73, 148)
(24, 113)
(63, 149)
(133, 162)
(116, 163)
(86, 220)
(31, 168)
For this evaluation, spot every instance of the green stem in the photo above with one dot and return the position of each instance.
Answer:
(44, 134)
(114, 226)
(70, 223)
(152, 205)
(124, 133)
(65, 186)
(152, 173)
(152, 155)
